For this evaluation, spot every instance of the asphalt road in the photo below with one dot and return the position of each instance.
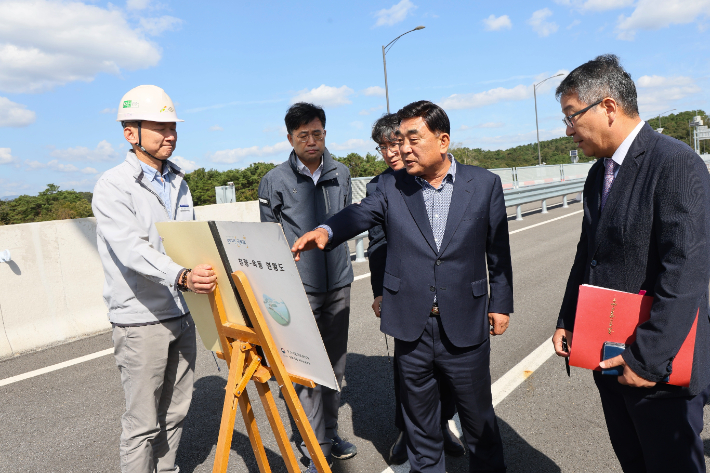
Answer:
(69, 420)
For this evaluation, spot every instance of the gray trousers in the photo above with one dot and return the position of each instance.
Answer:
(157, 365)
(332, 312)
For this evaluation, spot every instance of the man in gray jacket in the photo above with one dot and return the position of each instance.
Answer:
(300, 194)
(153, 334)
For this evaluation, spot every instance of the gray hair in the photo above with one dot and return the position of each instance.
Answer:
(385, 128)
(600, 78)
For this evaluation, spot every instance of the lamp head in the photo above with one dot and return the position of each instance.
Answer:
(418, 28)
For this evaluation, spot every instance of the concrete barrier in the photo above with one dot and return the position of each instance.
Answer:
(52, 289)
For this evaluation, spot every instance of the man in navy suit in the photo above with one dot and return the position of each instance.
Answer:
(646, 227)
(447, 234)
(384, 133)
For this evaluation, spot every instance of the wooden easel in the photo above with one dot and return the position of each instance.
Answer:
(239, 351)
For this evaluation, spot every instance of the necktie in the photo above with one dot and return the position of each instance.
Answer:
(609, 168)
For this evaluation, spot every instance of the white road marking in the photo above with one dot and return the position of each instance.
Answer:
(546, 221)
(505, 385)
(362, 276)
(58, 366)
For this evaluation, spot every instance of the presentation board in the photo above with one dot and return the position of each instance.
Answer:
(261, 251)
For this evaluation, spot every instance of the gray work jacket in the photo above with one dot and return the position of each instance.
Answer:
(288, 197)
(140, 278)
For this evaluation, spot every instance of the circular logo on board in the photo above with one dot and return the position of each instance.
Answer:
(277, 310)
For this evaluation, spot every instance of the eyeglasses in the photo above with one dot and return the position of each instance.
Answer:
(317, 135)
(392, 147)
(568, 119)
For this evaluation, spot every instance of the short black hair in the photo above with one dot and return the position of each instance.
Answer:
(434, 116)
(301, 113)
(385, 128)
(599, 78)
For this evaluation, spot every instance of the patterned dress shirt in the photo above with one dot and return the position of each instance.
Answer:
(438, 201)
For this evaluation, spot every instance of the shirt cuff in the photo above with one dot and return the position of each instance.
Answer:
(327, 229)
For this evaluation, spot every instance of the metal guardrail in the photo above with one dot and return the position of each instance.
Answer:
(516, 192)
(513, 197)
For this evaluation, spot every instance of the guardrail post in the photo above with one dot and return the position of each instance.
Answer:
(579, 197)
(544, 206)
(564, 202)
(518, 212)
(359, 251)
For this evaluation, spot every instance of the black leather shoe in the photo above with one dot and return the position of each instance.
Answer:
(452, 444)
(398, 451)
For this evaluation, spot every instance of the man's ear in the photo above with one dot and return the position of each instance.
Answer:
(611, 109)
(290, 139)
(130, 134)
(445, 141)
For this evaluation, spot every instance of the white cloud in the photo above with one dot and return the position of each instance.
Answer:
(395, 14)
(79, 185)
(596, 5)
(184, 163)
(374, 91)
(325, 96)
(368, 111)
(158, 26)
(539, 22)
(573, 24)
(350, 145)
(47, 43)
(55, 165)
(495, 24)
(6, 156)
(216, 128)
(489, 97)
(15, 114)
(657, 14)
(500, 94)
(658, 92)
(108, 110)
(103, 152)
(236, 155)
(137, 4)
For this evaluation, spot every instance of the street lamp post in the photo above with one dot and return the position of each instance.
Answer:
(384, 61)
(537, 129)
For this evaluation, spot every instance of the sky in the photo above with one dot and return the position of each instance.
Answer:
(234, 68)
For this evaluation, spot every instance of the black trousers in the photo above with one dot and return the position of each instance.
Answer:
(653, 435)
(467, 371)
(448, 404)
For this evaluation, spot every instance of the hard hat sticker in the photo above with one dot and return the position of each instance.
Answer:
(130, 104)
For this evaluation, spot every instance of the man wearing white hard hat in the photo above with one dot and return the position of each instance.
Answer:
(153, 333)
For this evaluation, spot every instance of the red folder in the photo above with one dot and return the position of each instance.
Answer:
(605, 315)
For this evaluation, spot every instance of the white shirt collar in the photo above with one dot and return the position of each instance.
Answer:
(623, 149)
(307, 172)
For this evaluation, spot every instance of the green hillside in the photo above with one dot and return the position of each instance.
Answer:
(53, 204)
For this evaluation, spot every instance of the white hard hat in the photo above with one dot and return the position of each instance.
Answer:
(147, 102)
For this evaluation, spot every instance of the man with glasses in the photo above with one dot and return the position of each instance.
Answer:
(646, 228)
(385, 134)
(301, 194)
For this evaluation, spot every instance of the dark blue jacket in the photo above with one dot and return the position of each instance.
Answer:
(377, 249)
(653, 235)
(288, 197)
(476, 233)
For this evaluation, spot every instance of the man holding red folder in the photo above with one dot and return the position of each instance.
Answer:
(646, 227)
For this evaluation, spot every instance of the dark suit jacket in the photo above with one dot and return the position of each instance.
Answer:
(377, 250)
(653, 235)
(476, 233)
